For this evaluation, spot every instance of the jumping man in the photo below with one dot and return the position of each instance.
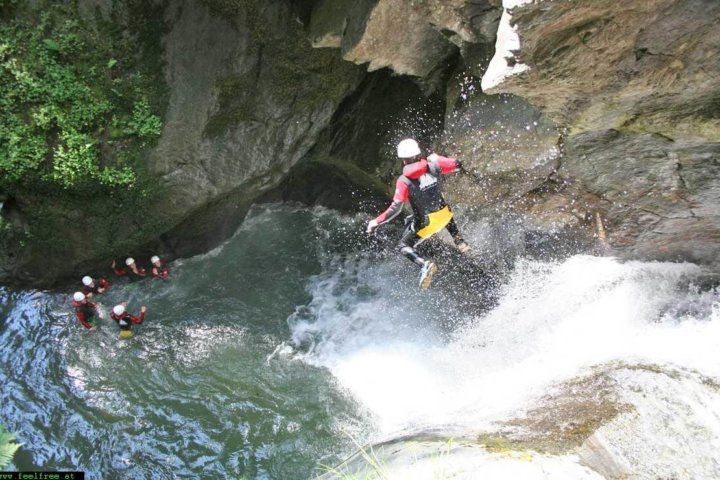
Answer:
(421, 185)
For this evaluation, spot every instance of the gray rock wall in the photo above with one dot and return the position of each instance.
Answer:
(659, 197)
(632, 86)
(639, 66)
(353, 165)
(248, 98)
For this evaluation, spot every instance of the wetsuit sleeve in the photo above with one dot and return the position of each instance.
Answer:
(137, 320)
(448, 165)
(401, 196)
(81, 316)
(161, 273)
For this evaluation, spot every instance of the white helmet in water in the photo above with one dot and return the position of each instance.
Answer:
(119, 309)
(129, 261)
(408, 148)
(154, 259)
(78, 296)
(87, 280)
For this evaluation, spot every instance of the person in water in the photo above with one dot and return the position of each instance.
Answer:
(85, 310)
(125, 320)
(421, 185)
(159, 270)
(91, 287)
(133, 272)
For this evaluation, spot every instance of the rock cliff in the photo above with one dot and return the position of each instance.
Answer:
(248, 98)
(610, 112)
(632, 88)
(568, 114)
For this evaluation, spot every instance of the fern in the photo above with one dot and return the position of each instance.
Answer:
(8, 447)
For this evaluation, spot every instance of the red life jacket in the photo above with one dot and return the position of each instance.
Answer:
(424, 181)
(132, 276)
(85, 312)
(126, 320)
(163, 272)
(100, 283)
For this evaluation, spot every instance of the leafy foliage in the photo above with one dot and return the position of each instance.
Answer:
(8, 447)
(8, 3)
(70, 115)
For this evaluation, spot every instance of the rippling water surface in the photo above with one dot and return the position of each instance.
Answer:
(277, 351)
(193, 393)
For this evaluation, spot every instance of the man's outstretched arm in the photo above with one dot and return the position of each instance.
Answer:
(447, 165)
(399, 198)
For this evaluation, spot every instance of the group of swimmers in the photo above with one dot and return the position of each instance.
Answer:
(87, 311)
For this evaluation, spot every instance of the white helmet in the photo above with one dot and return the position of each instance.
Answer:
(119, 309)
(87, 280)
(78, 296)
(408, 148)
(129, 261)
(154, 259)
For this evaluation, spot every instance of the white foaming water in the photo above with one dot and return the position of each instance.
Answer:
(553, 321)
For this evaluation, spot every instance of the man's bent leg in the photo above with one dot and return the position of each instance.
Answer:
(407, 246)
(454, 231)
(427, 267)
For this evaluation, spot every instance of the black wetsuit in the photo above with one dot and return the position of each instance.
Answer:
(425, 197)
(421, 185)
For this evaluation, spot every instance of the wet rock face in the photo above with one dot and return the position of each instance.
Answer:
(632, 85)
(511, 146)
(248, 98)
(664, 435)
(353, 166)
(659, 197)
(621, 422)
(639, 66)
(624, 422)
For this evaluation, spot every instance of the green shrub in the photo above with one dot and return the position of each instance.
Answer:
(144, 123)
(74, 112)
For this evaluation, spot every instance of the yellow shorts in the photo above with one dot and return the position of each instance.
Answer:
(126, 334)
(437, 221)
